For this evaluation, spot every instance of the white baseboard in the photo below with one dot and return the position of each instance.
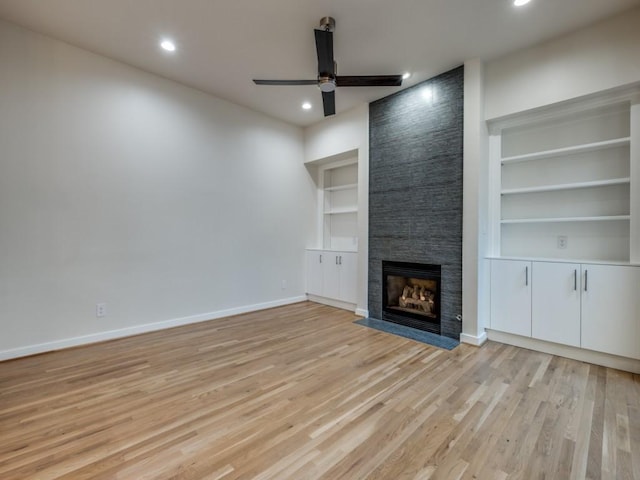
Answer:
(362, 312)
(138, 329)
(589, 356)
(472, 340)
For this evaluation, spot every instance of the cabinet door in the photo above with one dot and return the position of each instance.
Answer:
(331, 275)
(348, 263)
(611, 309)
(555, 302)
(314, 271)
(511, 296)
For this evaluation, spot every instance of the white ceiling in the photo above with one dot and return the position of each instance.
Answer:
(224, 44)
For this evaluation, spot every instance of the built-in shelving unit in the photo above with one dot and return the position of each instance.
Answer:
(562, 181)
(340, 205)
(564, 228)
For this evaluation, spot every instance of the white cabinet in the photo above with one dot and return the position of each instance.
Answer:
(348, 275)
(332, 275)
(511, 296)
(555, 309)
(611, 309)
(314, 272)
(592, 306)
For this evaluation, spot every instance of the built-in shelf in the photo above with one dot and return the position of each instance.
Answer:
(567, 186)
(566, 219)
(562, 181)
(351, 186)
(588, 147)
(339, 204)
(340, 211)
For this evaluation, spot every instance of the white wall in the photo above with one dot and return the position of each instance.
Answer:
(118, 186)
(589, 60)
(331, 139)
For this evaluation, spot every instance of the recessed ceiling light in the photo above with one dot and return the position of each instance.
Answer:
(168, 45)
(427, 94)
(406, 75)
(519, 3)
(306, 106)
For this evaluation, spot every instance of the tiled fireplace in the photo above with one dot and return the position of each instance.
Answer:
(415, 204)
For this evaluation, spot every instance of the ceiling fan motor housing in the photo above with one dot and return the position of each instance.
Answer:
(327, 84)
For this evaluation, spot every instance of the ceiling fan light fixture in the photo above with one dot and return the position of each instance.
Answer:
(306, 106)
(327, 84)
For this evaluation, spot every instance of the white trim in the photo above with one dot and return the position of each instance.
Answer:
(362, 312)
(634, 200)
(494, 200)
(589, 356)
(621, 95)
(138, 329)
(566, 260)
(332, 302)
(472, 340)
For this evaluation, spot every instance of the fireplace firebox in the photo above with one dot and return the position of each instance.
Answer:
(411, 295)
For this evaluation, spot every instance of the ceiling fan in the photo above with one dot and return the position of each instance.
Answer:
(328, 79)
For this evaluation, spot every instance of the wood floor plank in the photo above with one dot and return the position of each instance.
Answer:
(300, 392)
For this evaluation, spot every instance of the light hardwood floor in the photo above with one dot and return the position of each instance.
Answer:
(300, 392)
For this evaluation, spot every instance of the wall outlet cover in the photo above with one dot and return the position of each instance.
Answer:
(101, 310)
(563, 242)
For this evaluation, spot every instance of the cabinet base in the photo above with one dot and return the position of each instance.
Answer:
(332, 302)
(589, 356)
(472, 340)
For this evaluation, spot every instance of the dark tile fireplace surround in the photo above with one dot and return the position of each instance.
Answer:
(415, 204)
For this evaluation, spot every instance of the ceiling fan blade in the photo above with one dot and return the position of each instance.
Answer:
(329, 103)
(285, 82)
(369, 81)
(324, 47)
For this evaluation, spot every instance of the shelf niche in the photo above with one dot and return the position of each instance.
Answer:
(340, 205)
(565, 171)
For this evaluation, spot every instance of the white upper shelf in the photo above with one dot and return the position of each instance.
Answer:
(340, 211)
(350, 186)
(566, 219)
(567, 186)
(588, 147)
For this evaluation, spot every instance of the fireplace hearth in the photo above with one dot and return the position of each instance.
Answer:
(411, 295)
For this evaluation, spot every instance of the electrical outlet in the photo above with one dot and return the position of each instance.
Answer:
(284, 285)
(563, 241)
(101, 310)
